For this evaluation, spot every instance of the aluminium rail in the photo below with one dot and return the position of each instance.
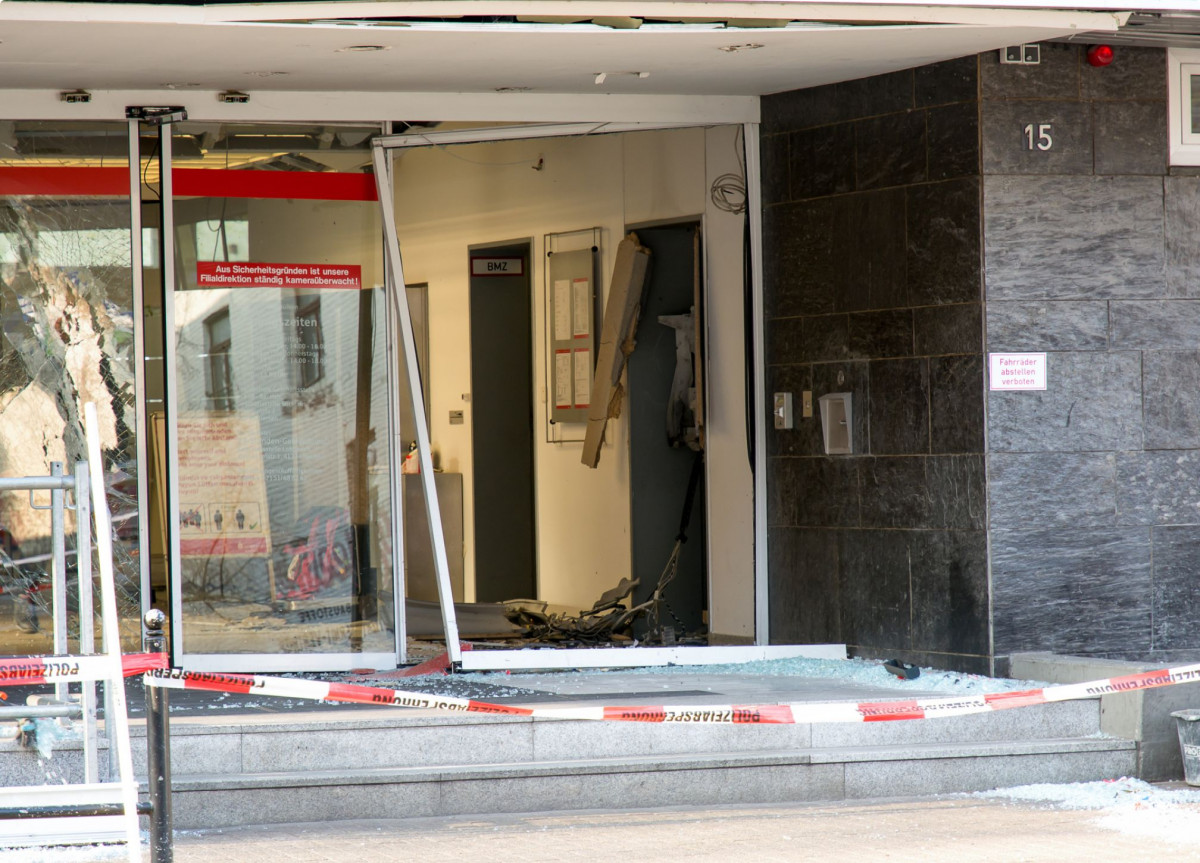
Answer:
(92, 805)
(59, 484)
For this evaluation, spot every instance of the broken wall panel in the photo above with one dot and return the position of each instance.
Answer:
(620, 319)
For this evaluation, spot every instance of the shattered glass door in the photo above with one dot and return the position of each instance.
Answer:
(66, 307)
(278, 401)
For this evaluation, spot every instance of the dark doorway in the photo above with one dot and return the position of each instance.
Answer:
(659, 471)
(502, 422)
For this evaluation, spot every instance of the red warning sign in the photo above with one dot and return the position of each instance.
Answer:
(222, 274)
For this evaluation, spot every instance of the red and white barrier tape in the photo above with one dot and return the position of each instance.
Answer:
(30, 670)
(315, 690)
(737, 714)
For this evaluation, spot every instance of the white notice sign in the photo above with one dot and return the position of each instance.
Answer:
(583, 378)
(1017, 371)
(562, 310)
(562, 379)
(582, 298)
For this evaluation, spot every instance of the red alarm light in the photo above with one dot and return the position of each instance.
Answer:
(1100, 55)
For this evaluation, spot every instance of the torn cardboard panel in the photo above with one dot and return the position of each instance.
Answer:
(616, 341)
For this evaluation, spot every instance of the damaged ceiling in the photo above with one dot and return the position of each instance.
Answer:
(482, 46)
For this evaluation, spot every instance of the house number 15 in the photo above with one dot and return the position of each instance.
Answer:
(1038, 137)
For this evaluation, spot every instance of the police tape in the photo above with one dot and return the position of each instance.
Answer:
(735, 714)
(30, 670)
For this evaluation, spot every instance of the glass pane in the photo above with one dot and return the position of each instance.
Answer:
(66, 304)
(281, 396)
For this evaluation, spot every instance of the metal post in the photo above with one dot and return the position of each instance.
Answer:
(58, 549)
(142, 424)
(398, 300)
(158, 748)
(87, 618)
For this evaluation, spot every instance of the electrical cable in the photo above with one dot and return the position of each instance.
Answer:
(728, 191)
(146, 171)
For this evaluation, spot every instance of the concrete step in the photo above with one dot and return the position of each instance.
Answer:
(366, 763)
(316, 742)
(384, 738)
(700, 778)
(282, 769)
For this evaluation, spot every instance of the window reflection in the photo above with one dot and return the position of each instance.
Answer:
(217, 344)
(282, 408)
(304, 341)
(223, 240)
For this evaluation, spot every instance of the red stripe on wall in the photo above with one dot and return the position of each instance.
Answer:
(191, 183)
(297, 185)
(64, 181)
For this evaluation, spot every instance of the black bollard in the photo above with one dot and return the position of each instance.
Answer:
(158, 749)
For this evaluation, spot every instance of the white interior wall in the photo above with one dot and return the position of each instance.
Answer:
(448, 199)
(730, 480)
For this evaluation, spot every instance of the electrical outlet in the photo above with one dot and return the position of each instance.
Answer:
(1029, 54)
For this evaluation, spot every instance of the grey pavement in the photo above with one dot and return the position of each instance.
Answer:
(959, 828)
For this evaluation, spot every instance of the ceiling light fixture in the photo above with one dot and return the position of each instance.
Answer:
(513, 89)
(601, 77)
(747, 46)
(363, 48)
(75, 97)
(233, 97)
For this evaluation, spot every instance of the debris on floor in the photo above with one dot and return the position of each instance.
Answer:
(1131, 806)
(902, 669)
(607, 620)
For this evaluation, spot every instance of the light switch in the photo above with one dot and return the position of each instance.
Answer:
(806, 404)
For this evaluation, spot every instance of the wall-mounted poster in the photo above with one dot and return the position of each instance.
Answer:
(222, 487)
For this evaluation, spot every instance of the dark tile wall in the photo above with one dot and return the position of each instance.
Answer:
(884, 199)
(1091, 256)
(873, 248)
